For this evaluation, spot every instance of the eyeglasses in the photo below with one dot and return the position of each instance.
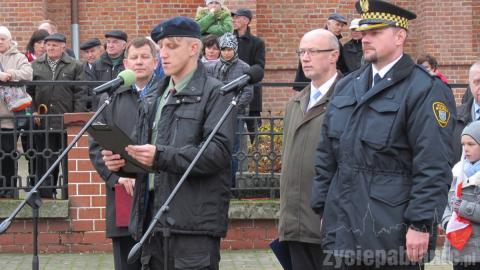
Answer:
(311, 52)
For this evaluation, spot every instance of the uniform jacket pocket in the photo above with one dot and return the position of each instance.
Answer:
(379, 122)
(390, 189)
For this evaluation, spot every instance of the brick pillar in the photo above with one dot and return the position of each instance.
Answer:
(86, 192)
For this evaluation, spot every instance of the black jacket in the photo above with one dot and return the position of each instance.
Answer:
(384, 160)
(464, 117)
(122, 112)
(88, 75)
(251, 50)
(59, 99)
(201, 204)
(104, 70)
(352, 54)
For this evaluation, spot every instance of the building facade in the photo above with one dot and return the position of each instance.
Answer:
(449, 30)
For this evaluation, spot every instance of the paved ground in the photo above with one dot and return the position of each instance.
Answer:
(231, 260)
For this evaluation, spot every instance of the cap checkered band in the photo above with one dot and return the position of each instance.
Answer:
(399, 21)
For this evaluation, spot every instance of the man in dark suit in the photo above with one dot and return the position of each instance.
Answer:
(469, 111)
(141, 58)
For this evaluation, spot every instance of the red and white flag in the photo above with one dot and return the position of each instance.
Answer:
(459, 229)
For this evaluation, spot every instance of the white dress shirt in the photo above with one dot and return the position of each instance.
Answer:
(384, 70)
(323, 89)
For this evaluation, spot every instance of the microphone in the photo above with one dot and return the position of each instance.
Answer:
(126, 77)
(252, 76)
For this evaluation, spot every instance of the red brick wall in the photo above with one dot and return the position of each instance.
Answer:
(21, 17)
(450, 30)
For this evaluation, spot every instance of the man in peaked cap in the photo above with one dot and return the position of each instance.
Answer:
(352, 50)
(251, 50)
(110, 63)
(91, 49)
(384, 157)
(170, 134)
(54, 65)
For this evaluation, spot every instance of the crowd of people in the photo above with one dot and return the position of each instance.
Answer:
(369, 143)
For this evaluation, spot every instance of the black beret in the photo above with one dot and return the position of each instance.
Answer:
(243, 12)
(56, 37)
(176, 27)
(118, 34)
(90, 44)
(377, 14)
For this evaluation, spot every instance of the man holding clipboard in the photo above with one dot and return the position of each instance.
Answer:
(170, 133)
(121, 114)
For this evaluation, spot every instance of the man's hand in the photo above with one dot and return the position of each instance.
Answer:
(417, 244)
(113, 161)
(5, 77)
(128, 183)
(142, 153)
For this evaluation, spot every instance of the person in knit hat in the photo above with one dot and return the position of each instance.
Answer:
(14, 66)
(214, 19)
(466, 204)
(228, 68)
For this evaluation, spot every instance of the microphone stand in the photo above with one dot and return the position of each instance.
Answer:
(134, 253)
(33, 198)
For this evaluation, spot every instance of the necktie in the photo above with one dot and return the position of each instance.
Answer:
(477, 114)
(376, 79)
(314, 99)
(172, 91)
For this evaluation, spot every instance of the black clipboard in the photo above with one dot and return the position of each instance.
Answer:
(115, 140)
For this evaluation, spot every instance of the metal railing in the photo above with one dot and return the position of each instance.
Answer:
(29, 149)
(258, 157)
(26, 152)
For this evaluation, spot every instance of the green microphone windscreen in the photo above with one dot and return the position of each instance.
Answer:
(128, 77)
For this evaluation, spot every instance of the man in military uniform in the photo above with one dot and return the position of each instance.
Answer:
(384, 157)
